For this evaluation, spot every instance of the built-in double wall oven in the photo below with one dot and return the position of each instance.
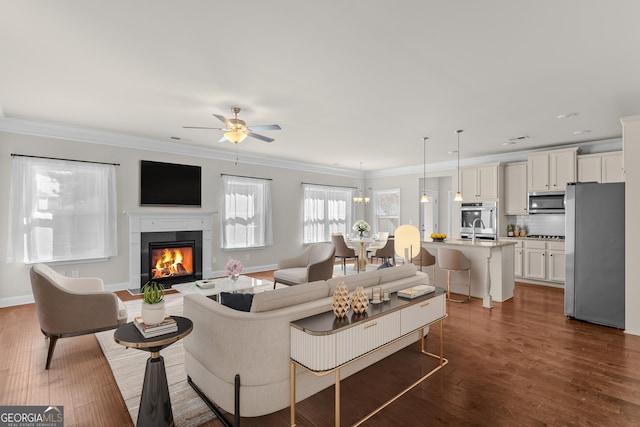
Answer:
(484, 215)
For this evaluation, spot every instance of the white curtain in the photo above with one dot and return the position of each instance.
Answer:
(327, 210)
(247, 212)
(61, 211)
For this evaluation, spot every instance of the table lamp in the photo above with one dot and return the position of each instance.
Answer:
(407, 241)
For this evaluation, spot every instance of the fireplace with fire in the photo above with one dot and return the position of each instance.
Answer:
(171, 257)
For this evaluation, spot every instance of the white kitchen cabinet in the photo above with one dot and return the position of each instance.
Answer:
(515, 188)
(480, 182)
(600, 167)
(551, 170)
(518, 270)
(535, 265)
(544, 261)
(556, 262)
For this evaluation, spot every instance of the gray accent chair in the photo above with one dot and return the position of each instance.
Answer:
(72, 306)
(315, 262)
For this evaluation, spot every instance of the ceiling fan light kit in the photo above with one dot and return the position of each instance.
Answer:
(235, 136)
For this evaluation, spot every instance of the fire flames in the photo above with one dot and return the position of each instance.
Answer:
(171, 262)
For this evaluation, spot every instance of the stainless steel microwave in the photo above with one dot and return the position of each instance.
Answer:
(547, 202)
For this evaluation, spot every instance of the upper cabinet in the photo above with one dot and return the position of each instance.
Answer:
(515, 188)
(600, 167)
(480, 182)
(551, 170)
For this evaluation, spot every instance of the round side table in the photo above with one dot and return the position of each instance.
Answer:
(155, 403)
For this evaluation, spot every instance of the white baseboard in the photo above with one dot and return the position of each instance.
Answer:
(113, 287)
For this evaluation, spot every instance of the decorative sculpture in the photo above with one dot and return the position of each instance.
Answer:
(359, 300)
(341, 300)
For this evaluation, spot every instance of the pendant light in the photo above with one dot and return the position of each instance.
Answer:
(358, 200)
(424, 198)
(458, 197)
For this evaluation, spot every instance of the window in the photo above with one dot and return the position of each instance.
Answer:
(61, 211)
(327, 210)
(247, 212)
(386, 205)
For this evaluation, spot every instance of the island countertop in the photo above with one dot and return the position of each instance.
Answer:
(478, 243)
(492, 267)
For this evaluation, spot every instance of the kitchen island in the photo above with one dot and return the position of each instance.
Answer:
(492, 268)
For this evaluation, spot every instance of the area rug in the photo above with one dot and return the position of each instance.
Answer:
(128, 366)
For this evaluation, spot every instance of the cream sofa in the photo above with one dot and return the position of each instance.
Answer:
(256, 345)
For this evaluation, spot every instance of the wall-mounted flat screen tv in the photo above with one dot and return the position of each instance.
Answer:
(170, 184)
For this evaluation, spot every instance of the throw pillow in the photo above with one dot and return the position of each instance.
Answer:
(385, 265)
(240, 302)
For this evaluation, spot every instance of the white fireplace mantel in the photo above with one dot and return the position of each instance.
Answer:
(147, 222)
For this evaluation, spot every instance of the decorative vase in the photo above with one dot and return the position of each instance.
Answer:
(341, 300)
(361, 234)
(359, 300)
(234, 277)
(153, 313)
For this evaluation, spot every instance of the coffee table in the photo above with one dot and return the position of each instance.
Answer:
(244, 284)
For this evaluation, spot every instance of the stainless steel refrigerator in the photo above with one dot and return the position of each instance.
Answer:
(594, 242)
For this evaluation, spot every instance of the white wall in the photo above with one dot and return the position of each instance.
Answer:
(15, 287)
(631, 153)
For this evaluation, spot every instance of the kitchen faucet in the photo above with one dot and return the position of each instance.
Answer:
(473, 236)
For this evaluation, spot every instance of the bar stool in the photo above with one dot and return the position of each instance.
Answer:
(425, 259)
(452, 260)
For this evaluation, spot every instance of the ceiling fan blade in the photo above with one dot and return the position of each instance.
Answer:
(266, 127)
(201, 127)
(262, 137)
(222, 119)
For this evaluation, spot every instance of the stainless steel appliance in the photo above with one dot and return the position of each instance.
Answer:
(548, 202)
(486, 228)
(594, 243)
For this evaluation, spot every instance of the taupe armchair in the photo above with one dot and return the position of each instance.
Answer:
(343, 251)
(387, 252)
(72, 306)
(315, 262)
(426, 259)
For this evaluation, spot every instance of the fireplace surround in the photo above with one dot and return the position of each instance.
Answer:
(162, 222)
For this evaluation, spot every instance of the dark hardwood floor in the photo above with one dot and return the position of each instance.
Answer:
(521, 363)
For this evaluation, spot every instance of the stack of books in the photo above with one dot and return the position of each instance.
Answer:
(416, 291)
(167, 326)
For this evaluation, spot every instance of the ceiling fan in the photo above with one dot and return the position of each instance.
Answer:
(236, 130)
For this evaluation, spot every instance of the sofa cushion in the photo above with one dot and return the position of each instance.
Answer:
(291, 275)
(239, 301)
(366, 280)
(291, 295)
(396, 273)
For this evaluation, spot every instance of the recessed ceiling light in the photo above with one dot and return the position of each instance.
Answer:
(510, 142)
(452, 152)
(578, 132)
(567, 116)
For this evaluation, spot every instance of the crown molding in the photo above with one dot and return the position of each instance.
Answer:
(70, 133)
(589, 147)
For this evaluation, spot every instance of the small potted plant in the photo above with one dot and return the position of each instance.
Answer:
(153, 308)
(510, 230)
